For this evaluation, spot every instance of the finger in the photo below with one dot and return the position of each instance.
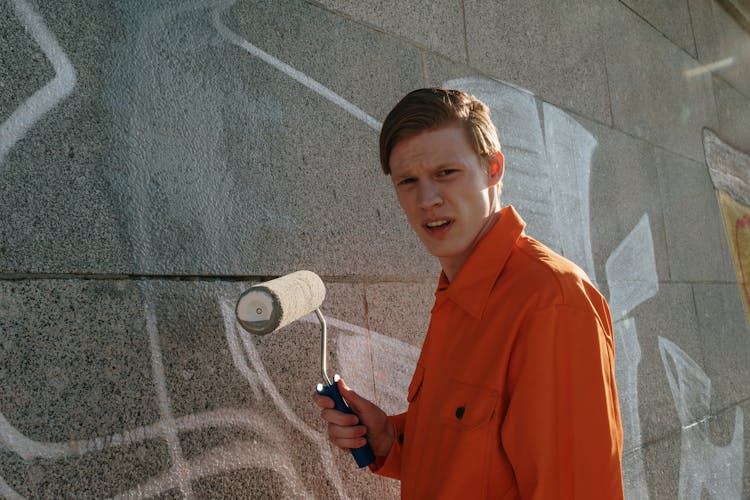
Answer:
(354, 400)
(323, 401)
(346, 431)
(339, 418)
(347, 444)
(347, 437)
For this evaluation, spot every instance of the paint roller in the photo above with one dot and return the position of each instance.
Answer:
(268, 306)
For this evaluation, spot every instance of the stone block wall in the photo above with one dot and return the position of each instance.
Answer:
(157, 158)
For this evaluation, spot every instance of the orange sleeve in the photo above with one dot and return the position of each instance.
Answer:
(390, 465)
(562, 431)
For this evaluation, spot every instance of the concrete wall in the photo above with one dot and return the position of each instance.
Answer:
(156, 158)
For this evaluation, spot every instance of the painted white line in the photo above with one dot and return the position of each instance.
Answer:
(337, 323)
(704, 467)
(242, 455)
(238, 357)
(631, 271)
(300, 77)
(281, 404)
(167, 423)
(24, 447)
(29, 449)
(46, 98)
(628, 358)
(182, 472)
(7, 492)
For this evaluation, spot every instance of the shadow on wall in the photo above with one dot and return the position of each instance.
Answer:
(550, 183)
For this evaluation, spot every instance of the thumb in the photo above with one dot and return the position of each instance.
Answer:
(354, 400)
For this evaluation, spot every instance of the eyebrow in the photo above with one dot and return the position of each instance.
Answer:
(442, 166)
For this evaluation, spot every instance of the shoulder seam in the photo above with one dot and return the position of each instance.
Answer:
(548, 269)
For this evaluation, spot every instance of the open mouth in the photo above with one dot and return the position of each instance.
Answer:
(437, 225)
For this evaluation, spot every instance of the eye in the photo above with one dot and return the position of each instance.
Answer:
(446, 172)
(406, 181)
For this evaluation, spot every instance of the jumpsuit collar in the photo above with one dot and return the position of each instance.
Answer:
(472, 285)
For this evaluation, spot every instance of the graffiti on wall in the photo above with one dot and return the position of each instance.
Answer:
(293, 73)
(255, 454)
(46, 98)
(550, 183)
(703, 465)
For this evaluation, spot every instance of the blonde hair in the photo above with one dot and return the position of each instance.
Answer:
(436, 107)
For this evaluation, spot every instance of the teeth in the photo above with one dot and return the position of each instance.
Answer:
(437, 223)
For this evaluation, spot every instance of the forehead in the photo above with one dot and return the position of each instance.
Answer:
(434, 147)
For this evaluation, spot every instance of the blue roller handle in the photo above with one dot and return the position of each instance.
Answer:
(364, 455)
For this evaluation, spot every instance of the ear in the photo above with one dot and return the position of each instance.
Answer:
(497, 167)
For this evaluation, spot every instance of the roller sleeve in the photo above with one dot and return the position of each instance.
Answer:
(271, 305)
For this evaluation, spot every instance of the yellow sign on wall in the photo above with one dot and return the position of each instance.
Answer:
(730, 173)
(737, 224)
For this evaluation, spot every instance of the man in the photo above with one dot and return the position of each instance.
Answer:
(513, 395)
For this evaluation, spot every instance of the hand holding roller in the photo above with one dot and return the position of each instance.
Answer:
(268, 306)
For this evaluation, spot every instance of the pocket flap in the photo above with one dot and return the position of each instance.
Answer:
(468, 405)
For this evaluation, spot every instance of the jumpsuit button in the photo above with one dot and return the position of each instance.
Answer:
(460, 412)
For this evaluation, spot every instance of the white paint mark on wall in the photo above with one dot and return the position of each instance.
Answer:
(628, 351)
(277, 399)
(238, 456)
(632, 279)
(7, 492)
(47, 97)
(182, 472)
(238, 358)
(570, 150)
(631, 271)
(26, 448)
(29, 449)
(213, 462)
(300, 77)
(357, 376)
(391, 362)
(704, 466)
(169, 430)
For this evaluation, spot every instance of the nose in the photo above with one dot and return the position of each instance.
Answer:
(429, 195)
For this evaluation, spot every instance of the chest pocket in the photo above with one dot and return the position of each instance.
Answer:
(416, 383)
(468, 406)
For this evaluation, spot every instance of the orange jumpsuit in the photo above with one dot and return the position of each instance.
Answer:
(514, 392)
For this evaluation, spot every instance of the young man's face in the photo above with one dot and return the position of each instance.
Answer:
(447, 195)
